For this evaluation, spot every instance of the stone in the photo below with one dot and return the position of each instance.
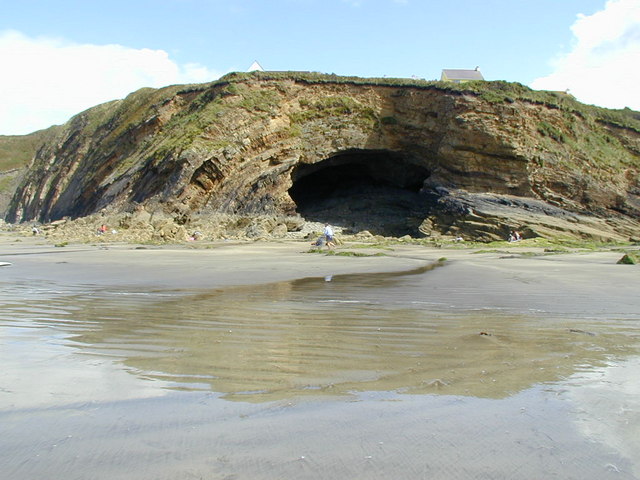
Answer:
(279, 230)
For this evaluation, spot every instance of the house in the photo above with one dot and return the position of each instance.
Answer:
(461, 76)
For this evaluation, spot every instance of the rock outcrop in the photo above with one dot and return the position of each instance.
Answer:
(390, 157)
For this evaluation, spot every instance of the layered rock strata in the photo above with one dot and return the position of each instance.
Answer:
(390, 158)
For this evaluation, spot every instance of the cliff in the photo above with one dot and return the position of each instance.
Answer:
(16, 152)
(393, 157)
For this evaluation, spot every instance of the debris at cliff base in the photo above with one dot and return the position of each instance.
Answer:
(146, 227)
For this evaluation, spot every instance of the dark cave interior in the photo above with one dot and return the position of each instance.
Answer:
(372, 190)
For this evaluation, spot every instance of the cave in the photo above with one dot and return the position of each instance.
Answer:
(374, 190)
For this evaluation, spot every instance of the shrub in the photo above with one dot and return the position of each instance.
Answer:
(550, 131)
(628, 259)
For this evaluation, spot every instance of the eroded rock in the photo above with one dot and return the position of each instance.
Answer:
(390, 159)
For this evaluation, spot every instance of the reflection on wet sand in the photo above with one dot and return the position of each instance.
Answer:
(330, 336)
(344, 377)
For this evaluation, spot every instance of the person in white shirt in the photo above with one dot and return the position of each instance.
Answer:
(328, 236)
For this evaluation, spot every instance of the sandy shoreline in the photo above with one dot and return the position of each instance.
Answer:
(503, 363)
(518, 277)
(185, 267)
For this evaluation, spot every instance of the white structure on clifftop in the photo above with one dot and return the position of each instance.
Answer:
(255, 66)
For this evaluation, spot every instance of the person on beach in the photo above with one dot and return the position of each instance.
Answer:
(328, 236)
(319, 242)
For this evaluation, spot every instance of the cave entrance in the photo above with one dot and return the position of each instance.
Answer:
(372, 190)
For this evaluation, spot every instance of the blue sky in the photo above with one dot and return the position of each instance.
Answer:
(61, 57)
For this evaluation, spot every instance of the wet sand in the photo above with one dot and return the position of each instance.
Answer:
(570, 279)
(180, 267)
(259, 360)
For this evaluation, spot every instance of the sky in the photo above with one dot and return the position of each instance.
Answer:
(60, 57)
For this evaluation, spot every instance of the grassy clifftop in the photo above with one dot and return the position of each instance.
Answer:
(491, 91)
(16, 151)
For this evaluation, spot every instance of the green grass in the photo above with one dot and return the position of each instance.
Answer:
(6, 183)
(355, 254)
(550, 131)
(345, 253)
(207, 103)
(550, 245)
(492, 97)
(265, 101)
(491, 250)
(491, 91)
(16, 151)
(376, 245)
(333, 106)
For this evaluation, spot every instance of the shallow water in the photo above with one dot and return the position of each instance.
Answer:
(351, 376)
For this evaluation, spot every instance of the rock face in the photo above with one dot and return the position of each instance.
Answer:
(392, 158)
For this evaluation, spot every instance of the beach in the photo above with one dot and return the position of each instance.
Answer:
(269, 360)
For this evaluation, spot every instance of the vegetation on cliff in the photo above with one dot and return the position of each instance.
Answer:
(239, 145)
(490, 91)
(16, 152)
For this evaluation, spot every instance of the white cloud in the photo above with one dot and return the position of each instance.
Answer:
(603, 67)
(46, 81)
